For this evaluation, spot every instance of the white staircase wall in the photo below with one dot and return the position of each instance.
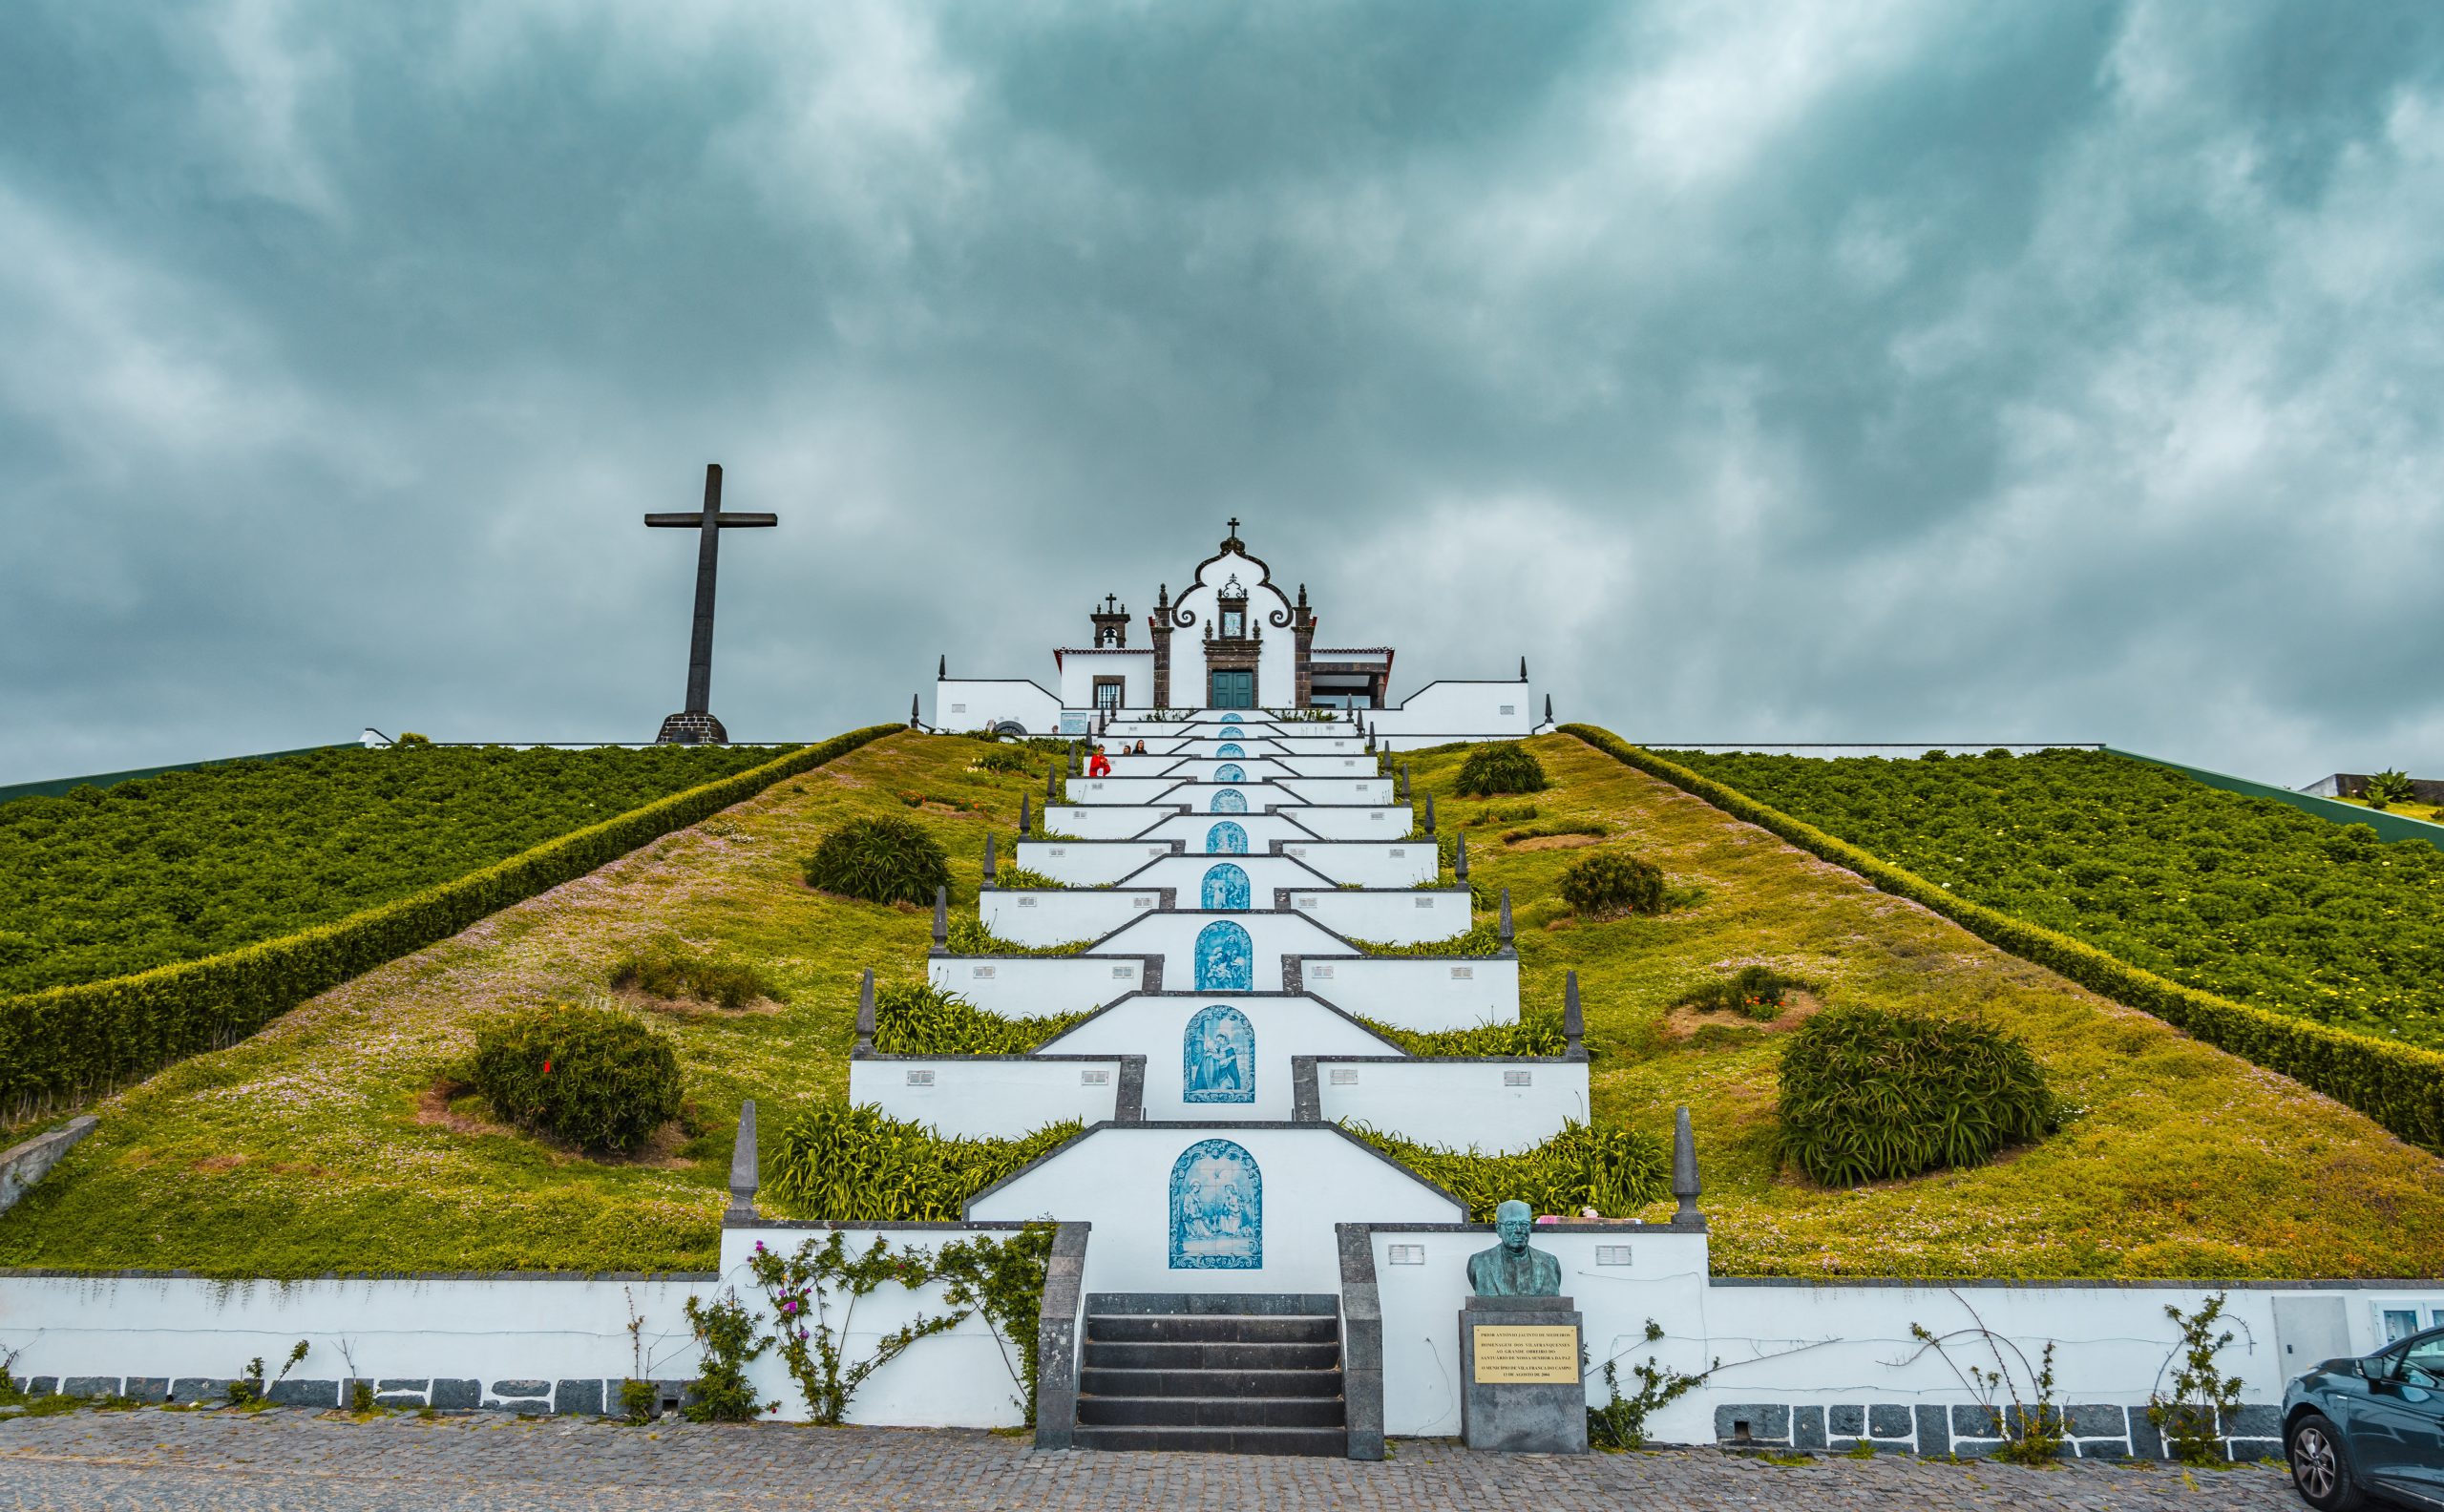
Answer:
(1035, 986)
(1061, 916)
(1457, 1104)
(989, 1097)
(1156, 1027)
(1420, 992)
(1398, 917)
(1089, 863)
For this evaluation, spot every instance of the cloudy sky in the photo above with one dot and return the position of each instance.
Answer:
(1920, 370)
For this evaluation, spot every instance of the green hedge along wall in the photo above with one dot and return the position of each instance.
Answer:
(2400, 1086)
(71, 1040)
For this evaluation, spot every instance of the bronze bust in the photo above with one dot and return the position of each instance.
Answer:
(1511, 1267)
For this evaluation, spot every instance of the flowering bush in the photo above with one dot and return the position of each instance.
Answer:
(598, 1079)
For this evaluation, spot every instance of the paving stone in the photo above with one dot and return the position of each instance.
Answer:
(1846, 1422)
(190, 1390)
(307, 1462)
(2251, 1450)
(579, 1396)
(2259, 1421)
(322, 1394)
(2104, 1449)
(89, 1386)
(1807, 1427)
(147, 1388)
(1768, 1422)
(1934, 1432)
(1982, 1422)
(1888, 1420)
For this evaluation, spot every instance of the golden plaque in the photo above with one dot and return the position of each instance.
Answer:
(1527, 1354)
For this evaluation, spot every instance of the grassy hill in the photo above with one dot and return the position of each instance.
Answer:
(332, 1140)
(2242, 896)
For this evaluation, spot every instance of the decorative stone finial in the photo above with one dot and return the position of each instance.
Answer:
(1404, 782)
(1573, 1019)
(1429, 814)
(1509, 946)
(865, 1017)
(988, 859)
(1023, 819)
(1684, 1168)
(1050, 794)
(1514, 1268)
(941, 921)
(942, 668)
(1460, 856)
(1522, 669)
(743, 1166)
(913, 710)
(1548, 708)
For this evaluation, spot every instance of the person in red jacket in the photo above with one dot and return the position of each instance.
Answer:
(1100, 766)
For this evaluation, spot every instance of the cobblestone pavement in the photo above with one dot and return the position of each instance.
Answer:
(145, 1459)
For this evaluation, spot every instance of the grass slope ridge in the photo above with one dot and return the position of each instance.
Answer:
(2400, 1086)
(72, 1040)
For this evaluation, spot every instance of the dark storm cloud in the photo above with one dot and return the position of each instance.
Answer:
(1869, 371)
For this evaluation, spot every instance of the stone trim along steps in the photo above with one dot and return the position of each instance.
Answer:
(1213, 1372)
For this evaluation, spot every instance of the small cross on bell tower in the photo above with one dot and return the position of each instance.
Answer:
(1112, 623)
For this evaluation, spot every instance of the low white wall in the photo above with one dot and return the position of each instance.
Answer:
(1420, 992)
(964, 1098)
(1135, 666)
(1033, 986)
(1118, 1177)
(1449, 712)
(489, 1330)
(1794, 1343)
(1102, 822)
(1155, 1026)
(1193, 829)
(1271, 936)
(962, 1378)
(1338, 790)
(962, 703)
(1458, 1104)
(1089, 863)
(1421, 1277)
(1201, 769)
(1331, 822)
(1185, 875)
(1059, 916)
(1395, 916)
(1370, 863)
(1127, 789)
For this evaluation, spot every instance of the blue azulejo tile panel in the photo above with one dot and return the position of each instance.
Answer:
(1229, 800)
(1225, 839)
(1218, 1056)
(1218, 1209)
(1226, 886)
(1226, 959)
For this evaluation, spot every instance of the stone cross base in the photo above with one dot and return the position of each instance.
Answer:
(1547, 1414)
(692, 729)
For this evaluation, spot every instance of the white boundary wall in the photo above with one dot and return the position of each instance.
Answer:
(1420, 992)
(1002, 1097)
(1459, 1104)
(1156, 1027)
(1398, 917)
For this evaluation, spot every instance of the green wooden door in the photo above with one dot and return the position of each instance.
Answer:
(1233, 689)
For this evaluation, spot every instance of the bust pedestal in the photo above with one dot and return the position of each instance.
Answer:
(1521, 1391)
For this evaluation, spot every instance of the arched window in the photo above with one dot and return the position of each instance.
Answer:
(1226, 886)
(1225, 839)
(1226, 959)
(1218, 1209)
(1229, 800)
(1218, 1056)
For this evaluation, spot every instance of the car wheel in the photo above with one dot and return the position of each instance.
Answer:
(2320, 1471)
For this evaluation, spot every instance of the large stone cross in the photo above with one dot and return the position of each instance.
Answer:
(695, 722)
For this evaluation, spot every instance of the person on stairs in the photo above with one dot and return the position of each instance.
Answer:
(1100, 765)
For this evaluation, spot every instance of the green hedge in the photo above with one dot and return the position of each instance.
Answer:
(2400, 1086)
(74, 1040)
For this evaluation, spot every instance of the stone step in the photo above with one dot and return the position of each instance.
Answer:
(1211, 1328)
(1211, 1411)
(1098, 1382)
(1330, 1441)
(1197, 1354)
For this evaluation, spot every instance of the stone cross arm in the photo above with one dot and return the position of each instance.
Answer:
(697, 519)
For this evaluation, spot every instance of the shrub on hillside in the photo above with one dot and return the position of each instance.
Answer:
(1616, 1171)
(1756, 991)
(916, 1018)
(667, 971)
(1868, 1095)
(1504, 768)
(882, 860)
(1605, 883)
(2389, 788)
(1004, 760)
(598, 1079)
(852, 1163)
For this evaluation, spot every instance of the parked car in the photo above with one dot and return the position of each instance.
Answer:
(2371, 1427)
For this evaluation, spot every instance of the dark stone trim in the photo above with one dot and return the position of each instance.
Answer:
(1362, 1340)
(1306, 1102)
(1056, 1339)
(1129, 1105)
